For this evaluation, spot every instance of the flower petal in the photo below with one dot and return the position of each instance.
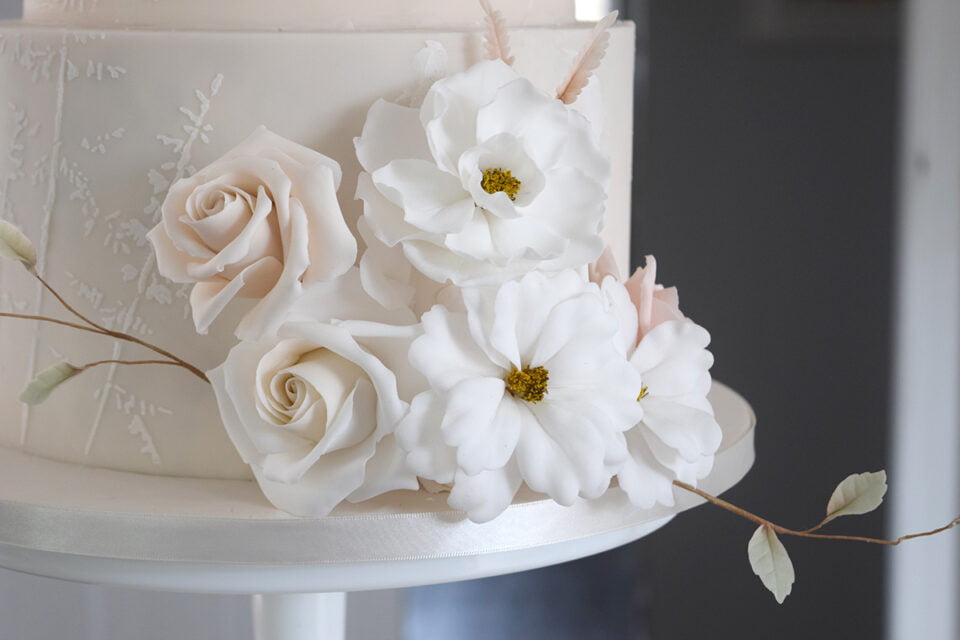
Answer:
(446, 353)
(385, 218)
(672, 357)
(644, 479)
(208, 299)
(693, 433)
(386, 471)
(450, 108)
(471, 406)
(419, 434)
(432, 200)
(485, 495)
(390, 131)
(528, 114)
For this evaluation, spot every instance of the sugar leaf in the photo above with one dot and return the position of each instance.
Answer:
(495, 38)
(16, 246)
(858, 493)
(769, 560)
(46, 381)
(587, 61)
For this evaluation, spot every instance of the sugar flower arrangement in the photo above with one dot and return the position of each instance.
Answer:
(484, 339)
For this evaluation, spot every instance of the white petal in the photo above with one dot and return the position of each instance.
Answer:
(324, 486)
(581, 435)
(209, 299)
(171, 263)
(526, 238)
(446, 353)
(390, 132)
(234, 383)
(582, 151)
(418, 433)
(544, 464)
(342, 298)
(386, 471)
(486, 495)
(384, 271)
(486, 436)
(644, 479)
(338, 340)
(617, 299)
(385, 218)
(263, 142)
(471, 406)
(525, 112)
(576, 338)
(332, 249)
(571, 204)
(472, 241)
(450, 108)
(688, 471)
(690, 431)
(672, 357)
(432, 200)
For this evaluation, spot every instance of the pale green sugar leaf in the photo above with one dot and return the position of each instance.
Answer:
(16, 246)
(769, 560)
(46, 381)
(858, 493)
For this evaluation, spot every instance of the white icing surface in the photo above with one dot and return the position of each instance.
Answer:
(94, 127)
(293, 15)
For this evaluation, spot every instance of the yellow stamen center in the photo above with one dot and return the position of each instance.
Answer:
(496, 180)
(643, 394)
(529, 383)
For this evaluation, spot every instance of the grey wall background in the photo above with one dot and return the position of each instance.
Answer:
(766, 192)
(765, 189)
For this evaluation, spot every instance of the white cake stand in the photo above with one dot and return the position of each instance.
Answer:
(219, 536)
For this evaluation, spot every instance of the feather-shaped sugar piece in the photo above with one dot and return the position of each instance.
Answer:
(495, 38)
(587, 61)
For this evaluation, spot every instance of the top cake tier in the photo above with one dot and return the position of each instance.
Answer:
(299, 15)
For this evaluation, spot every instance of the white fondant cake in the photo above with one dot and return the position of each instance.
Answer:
(98, 121)
(378, 256)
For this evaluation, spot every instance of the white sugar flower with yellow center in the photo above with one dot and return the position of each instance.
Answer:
(489, 179)
(678, 435)
(527, 384)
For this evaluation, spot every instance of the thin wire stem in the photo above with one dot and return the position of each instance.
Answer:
(91, 365)
(72, 325)
(743, 513)
(97, 328)
(65, 304)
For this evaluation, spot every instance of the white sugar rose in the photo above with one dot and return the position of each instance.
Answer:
(489, 179)
(313, 408)
(261, 222)
(527, 385)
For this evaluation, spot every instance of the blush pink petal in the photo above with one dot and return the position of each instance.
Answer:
(654, 303)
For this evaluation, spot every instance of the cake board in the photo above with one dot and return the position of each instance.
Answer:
(221, 536)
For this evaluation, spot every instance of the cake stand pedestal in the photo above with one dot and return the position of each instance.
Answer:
(219, 536)
(300, 616)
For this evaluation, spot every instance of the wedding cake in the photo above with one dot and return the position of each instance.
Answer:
(339, 214)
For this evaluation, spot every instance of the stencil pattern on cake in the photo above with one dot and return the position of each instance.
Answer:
(131, 232)
(38, 61)
(139, 429)
(71, 5)
(48, 206)
(61, 182)
(20, 129)
(99, 143)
